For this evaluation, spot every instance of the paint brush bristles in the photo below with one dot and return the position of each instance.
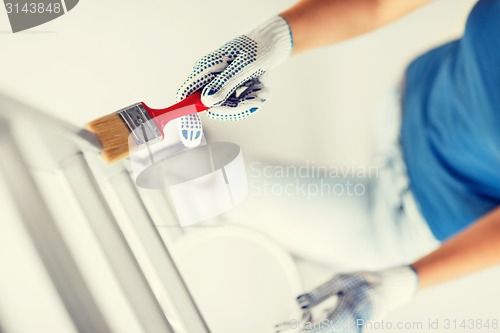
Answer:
(113, 134)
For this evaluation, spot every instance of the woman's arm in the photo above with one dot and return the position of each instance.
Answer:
(476, 248)
(317, 23)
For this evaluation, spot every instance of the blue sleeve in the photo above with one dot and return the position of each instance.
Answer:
(481, 46)
(450, 133)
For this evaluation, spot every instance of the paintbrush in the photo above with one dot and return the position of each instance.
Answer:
(144, 124)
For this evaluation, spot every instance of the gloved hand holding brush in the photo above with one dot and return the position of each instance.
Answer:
(361, 297)
(230, 77)
(225, 83)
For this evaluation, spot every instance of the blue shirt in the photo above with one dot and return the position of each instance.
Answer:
(451, 125)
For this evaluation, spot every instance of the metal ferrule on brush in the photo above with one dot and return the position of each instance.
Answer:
(142, 127)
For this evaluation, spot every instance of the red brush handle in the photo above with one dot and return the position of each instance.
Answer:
(189, 105)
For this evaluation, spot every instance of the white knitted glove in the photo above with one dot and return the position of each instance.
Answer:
(230, 76)
(361, 297)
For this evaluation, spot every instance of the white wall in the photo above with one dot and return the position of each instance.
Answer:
(104, 55)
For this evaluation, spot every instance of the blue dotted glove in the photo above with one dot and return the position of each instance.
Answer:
(361, 297)
(231, 76)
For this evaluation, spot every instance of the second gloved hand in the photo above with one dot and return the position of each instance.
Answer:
(361, 297)
(231, 76)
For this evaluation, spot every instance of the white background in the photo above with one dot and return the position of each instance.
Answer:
(104, 55)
